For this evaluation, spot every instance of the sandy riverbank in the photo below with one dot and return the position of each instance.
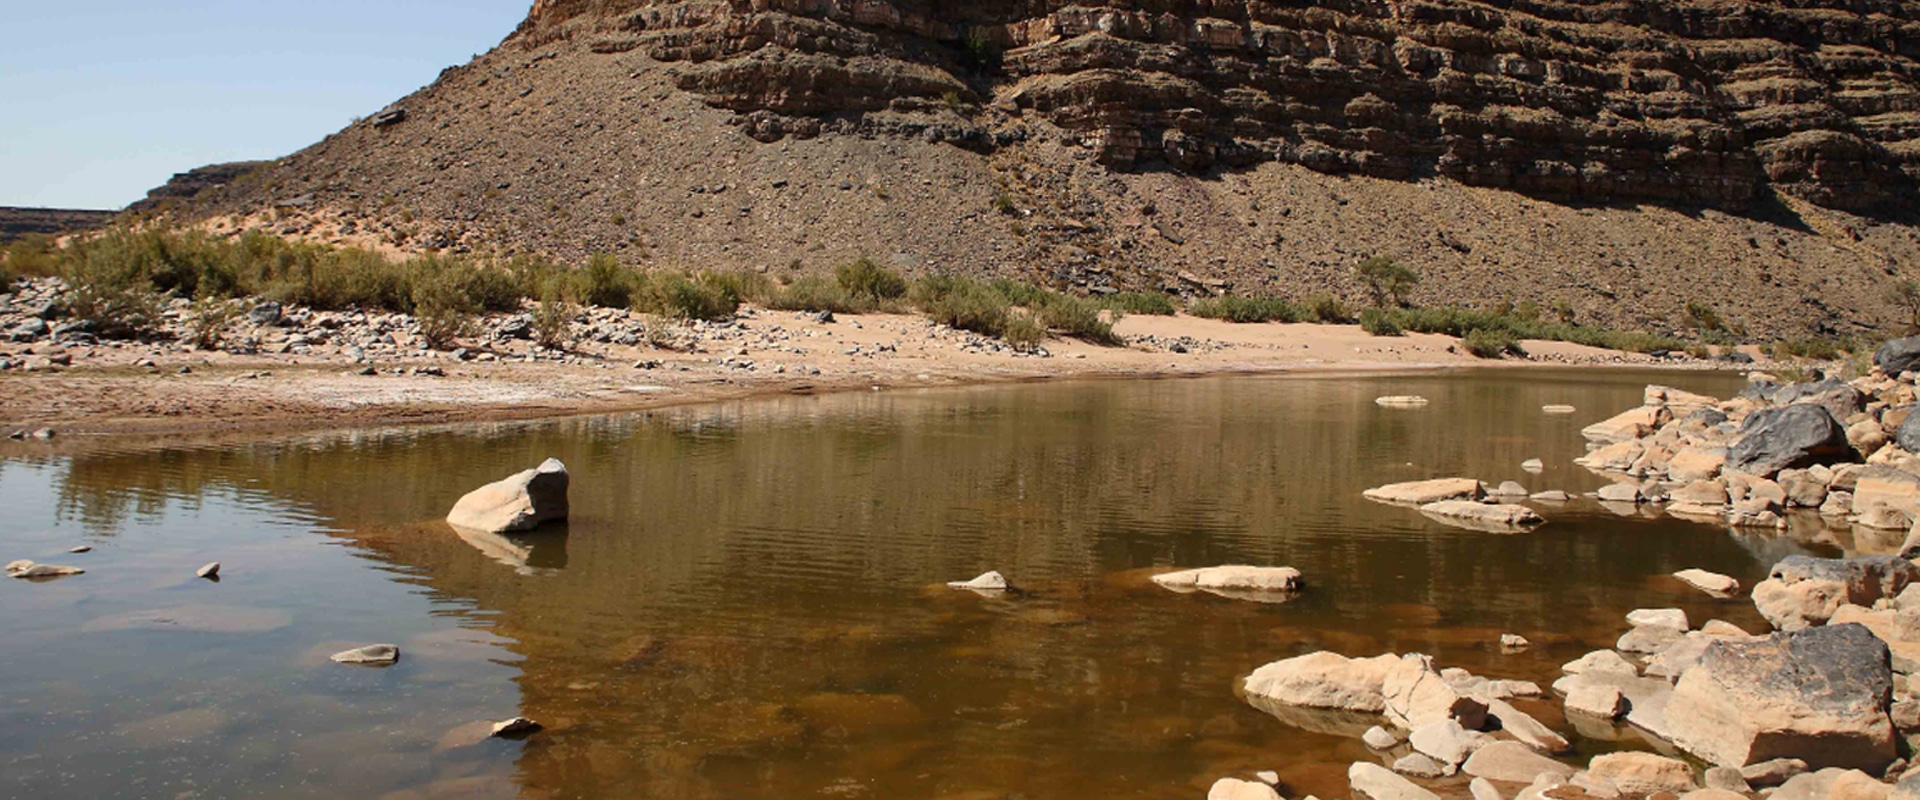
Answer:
(142, 388)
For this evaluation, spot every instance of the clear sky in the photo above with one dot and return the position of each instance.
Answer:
(101, 100)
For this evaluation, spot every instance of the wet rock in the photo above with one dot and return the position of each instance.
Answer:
(1380, 738)
(1597, 700)
(518, 503)
(1620, 493)
(1512, 762)
(1421, 765)
(1446, 741)
(1774, 439)
(987, 582)
(1600, 662)
(1417, 695)
(1819, 695)
(1425, 492)
(1500, 517)
(373, 655)
(1534, 465)
(210, 571)
(1508, 489)
(1401, 401)
(1513, 643)
(1233, 578)
(1674, 618)
(1727, 779)
(1236, 789)
(80, 549)
(1374, 782)
(1632, 424)
(1325, 680)
(1712, 583)
(1772, 772)
(1802, 591)
(1527, 730)
(1552, 496)
(516, 728)
(1648, 639)
(1643, 773)
(27, 570)
(1558, 409)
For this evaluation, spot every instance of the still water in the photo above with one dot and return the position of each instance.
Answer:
(747, 602)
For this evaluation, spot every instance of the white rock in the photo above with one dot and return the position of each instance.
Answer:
(1416, 695)
(1421, 765)
(1236, 789)
(1534, 465)
(210, 571)
(1600, 661)
(1380, 738)
(1400, 401)
(987, 582)
(1446, 741)
(1483, 789)
(1512, 762)
(370, 655)
(1513, 642)
(1527, 730)
(1712, 583)
(1237, 578)
(1558, 409)
(1325, 680)
(1664, 617)
(518, 503)
(1376, 782)
(1598, 700)
(1498, 516)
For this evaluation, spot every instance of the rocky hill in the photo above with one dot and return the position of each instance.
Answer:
(1620, 157)
(18, 222)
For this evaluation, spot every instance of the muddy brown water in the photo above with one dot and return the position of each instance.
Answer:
(747, 602)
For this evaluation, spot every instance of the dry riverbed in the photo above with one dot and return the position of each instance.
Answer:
(291, 367)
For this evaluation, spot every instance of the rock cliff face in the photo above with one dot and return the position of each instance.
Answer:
(1616, 158)
(1702, 102)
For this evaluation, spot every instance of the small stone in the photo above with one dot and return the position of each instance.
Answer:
(1380, 738)
(515, 728)
(210, 572)
(1513, 643)
(1483, 789)
(1558, 409)
(1421, 765)
(80, 549)
(1534, 465)
(378, 655)
(1664, 617)
(1772, 773)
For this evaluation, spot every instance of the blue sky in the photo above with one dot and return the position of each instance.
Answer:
(101, 100)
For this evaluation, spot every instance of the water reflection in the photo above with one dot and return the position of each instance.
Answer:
(749, 599)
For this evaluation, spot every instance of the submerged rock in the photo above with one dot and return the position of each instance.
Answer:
(518, 503)
(1375, 782)
(373, 655)
(28, 570)
(515, 728)
(1233, 578)
(1400, 401)
(1483, 515)
(1236, 789)
(1712, 583)
(1819, 695)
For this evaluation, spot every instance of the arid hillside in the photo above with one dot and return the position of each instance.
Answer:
(1620, 158)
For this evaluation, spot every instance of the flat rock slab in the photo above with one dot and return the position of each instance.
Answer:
(1483, 516)
(1401, 401)
(1233, 578)
(1325, 680)
(1712, 583)
(1424, 492)
(1376, 782)
(373, 655)
(1513, 762)
(987, 582)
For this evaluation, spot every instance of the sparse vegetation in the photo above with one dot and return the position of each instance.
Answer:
(553, 318)
(1491, 343)
(866, 280)
(1387, 280)
(1379, 323)
(1907, 294)
(1235, 308)
(978, 52)
(1329, 309)
(208, 321)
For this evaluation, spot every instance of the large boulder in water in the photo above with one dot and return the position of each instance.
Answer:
(1325, 680)
(1819, 695)
(1802, 591)
(1898, 355)
(519, 503)
(1794, 436)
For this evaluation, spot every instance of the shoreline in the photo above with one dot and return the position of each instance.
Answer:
(146, 389)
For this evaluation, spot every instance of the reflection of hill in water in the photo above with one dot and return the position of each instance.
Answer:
(741, 603)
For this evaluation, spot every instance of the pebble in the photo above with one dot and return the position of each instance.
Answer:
(210, 572)
(1513, 643)
(81, 549)
(377, 655)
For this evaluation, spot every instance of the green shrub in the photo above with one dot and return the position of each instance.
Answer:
(1234, 308)
(1814, 347)
(108, 285)
(1158, 305)
(865, 279)
(965, 305)
(1080, 318)
(209, 319)
(1379, 323)
(814, 293)
(1701, 316)
(441, 304)
(1329, 309)
(30, 255)
(1491, 343)
(604, 282)
(1387, 280)
(1023, 331)
(552, 320)
(703, 297)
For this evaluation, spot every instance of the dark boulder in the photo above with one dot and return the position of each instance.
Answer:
(1898, 355)
(1838, 397)
(1908, 434)
(1799, 435)
(1820, 695)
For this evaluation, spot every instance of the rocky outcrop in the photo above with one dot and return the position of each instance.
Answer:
(18, 222)
(1818, 695)
(1792, 436)
(1802, 591)
(520, 502)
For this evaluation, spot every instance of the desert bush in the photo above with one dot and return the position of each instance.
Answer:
(1379, 323)
(108, 285)
(1158, 305)
(814, 293)
(1817, 348)
(964, 304)
(208, 320)
(604, 282)
(441, 304)
(32, 255)
(1491, 343)
(1328, 309)
(703, 297)
(1080, 318)
(553, 318)
(865, 279)
(1387, 280)
(1234, 308)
